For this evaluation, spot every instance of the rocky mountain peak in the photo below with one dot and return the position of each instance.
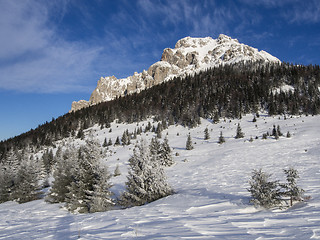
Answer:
(190, 55)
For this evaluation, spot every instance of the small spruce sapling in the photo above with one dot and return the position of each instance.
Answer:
(291, 188)
(279, 131)
(221, 138)
(239, 133)
(189, 145)
(105, 143)
(288, 134)
(117, 142)
(206, 134)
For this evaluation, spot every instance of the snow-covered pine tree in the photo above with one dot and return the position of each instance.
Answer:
(48, 160)
(6, 182)
(189, 145)
(239, 133)
(12, 160)
(291, 188)
(159, 130)
(166, 158)
(62, 175)
(154, 148)
(89, 189)
(82, 174)
(125, 138)
(265, 193)
(206, 134)
(26, 185)
(100, 198)
(146, 180)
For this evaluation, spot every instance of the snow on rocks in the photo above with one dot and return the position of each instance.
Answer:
(189, 56)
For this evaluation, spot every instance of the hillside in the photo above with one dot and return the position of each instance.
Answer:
(210, 181)
(225, 91)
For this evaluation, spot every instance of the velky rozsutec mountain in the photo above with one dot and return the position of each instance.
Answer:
(190, 55)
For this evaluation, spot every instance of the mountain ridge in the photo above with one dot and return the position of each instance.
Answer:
(189, 56)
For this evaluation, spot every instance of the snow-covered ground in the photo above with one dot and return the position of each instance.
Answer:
(210, 181)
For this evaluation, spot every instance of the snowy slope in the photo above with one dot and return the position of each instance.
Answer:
(211, 200)
(189, 56)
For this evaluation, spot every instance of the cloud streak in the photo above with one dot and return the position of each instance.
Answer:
(34, 58)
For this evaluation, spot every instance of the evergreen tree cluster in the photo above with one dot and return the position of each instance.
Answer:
(83, 183)
(225, 91)
(81, 180)
(276, 133)
(267, 193)
(20, 178)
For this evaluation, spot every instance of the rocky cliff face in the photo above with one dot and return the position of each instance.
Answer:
(189, 55)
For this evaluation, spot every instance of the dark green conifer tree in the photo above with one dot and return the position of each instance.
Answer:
(206, 134)
(239, 133)
(189, 145)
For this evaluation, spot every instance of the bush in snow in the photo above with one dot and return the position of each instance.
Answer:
(265, 193)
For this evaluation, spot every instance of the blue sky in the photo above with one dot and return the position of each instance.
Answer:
(53, 52)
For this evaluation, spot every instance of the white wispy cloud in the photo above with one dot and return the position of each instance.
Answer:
(304, 12)
(293, 11)
(33, 58)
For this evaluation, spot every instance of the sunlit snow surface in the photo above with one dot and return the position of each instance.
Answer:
(211, 200)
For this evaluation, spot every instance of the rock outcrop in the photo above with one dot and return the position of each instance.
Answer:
(190, 55)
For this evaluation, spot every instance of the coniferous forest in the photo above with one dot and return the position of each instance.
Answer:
(225, 91)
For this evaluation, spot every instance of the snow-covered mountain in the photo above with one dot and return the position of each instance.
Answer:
(190, 55)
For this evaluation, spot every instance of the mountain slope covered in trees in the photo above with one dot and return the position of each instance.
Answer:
(225, 91)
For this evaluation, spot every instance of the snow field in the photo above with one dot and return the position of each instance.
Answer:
(210, 182)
